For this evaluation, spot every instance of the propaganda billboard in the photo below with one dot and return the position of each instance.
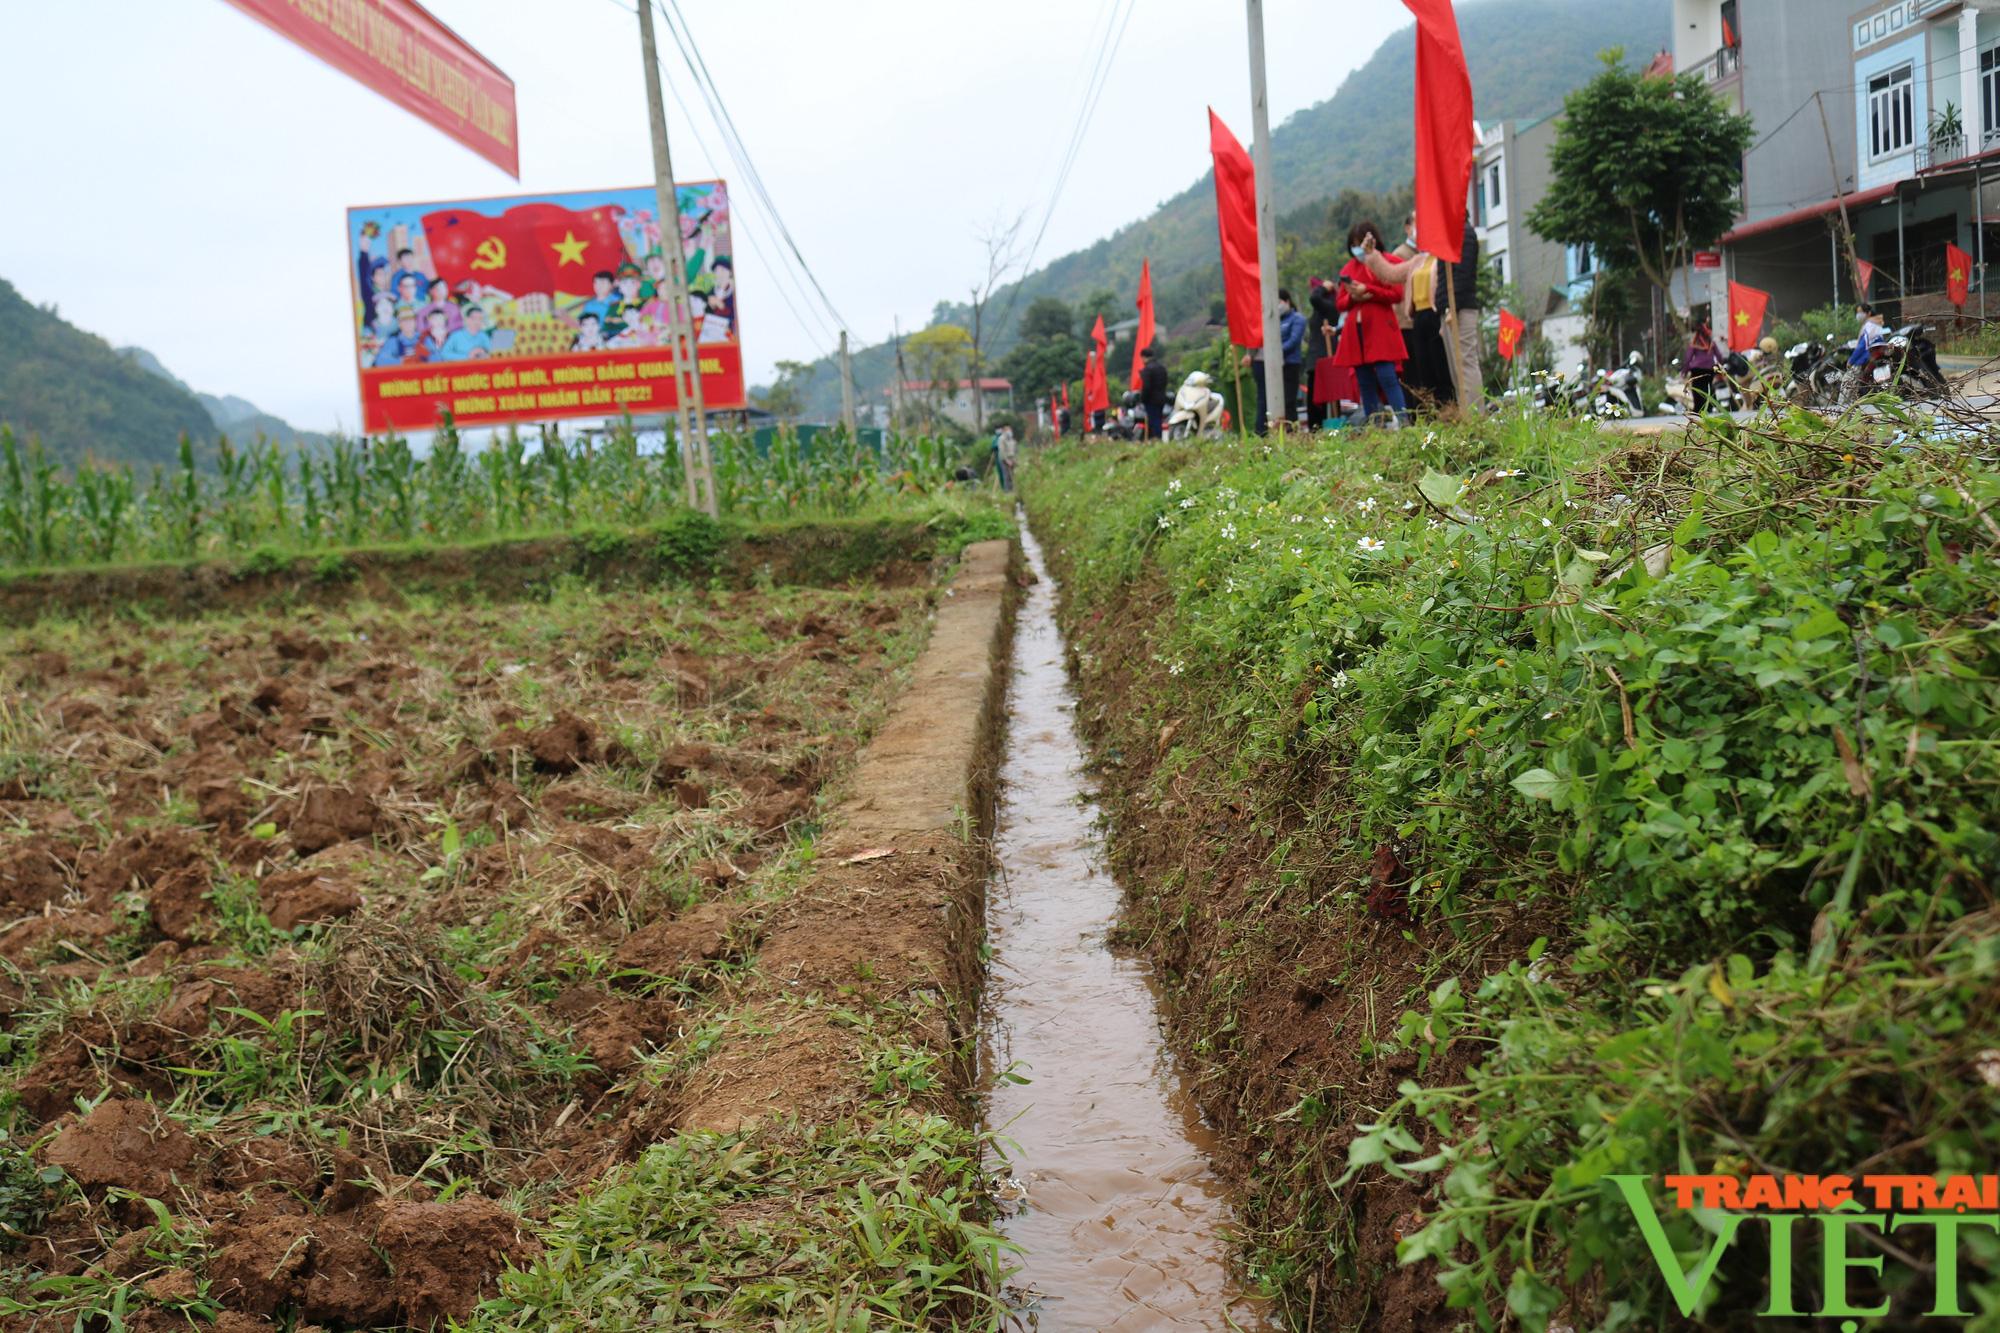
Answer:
(537, 307)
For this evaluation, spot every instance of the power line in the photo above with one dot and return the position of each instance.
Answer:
(733, 139)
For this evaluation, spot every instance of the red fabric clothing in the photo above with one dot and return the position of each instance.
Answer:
(1370, 333)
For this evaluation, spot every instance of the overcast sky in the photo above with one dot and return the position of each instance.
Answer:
(177, 175)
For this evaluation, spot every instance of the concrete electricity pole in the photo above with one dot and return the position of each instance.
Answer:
(1267, 230)
(696, 463)
(847, 391)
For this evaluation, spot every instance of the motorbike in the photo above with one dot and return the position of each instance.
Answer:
(1618, 391)
(1197, 410)
(1129, 422)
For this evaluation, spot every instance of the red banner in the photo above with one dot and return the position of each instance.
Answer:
(1957, 274)
(639, 380)
(1511, 329)
(1236, 219)
(397, 48)
(1746, 314)
(1446, 133)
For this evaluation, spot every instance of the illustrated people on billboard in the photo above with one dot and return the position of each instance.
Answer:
(409, 290)
(381, 315)
(406, 266)
(602, 298)
(470, 341)
(630, 300)
(589, 334)
(441, 302)
(437, 330)
(722, 300)
(368, 264)
(655, 284)
(405, 345)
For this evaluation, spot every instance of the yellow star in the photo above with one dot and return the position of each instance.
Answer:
(1958, 275)
(1742, 317)
(569, 250)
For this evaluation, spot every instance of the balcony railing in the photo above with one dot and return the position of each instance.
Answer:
(1943, 150)
(1725, 62)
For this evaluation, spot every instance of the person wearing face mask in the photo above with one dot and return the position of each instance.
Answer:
(1426, 375)
(1370, 342)
(1292, 343)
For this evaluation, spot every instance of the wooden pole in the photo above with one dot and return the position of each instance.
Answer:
(1840, 198)
(1267, 229)
(687, 359)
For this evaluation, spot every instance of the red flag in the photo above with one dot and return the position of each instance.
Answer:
(1957, 274)
(577, 246)
(1746, 314)
(1511, 329)
(1065, 388)
(1236, 218)
(1445, 132)
(1867, 272)
(1146, 325)
(497, 252)
(1096, 384)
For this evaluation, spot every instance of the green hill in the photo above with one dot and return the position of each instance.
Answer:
(83, 400)
(241, 418)
(1524, 56)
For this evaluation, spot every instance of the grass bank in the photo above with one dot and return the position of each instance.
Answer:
(888, 543)
(1513, 807)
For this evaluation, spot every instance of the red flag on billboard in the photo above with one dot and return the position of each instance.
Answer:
(397, 48)
(1146, 325)
(1867, 272)
(494, 252)
(578, 246)
(1746, 314)
(1236, 219)
(1445, 132)
(1511, 329)
(1957, 274)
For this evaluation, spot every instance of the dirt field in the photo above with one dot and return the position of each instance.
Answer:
(335, 950)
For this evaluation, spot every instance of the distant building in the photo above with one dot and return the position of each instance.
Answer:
(1511, 174)
(957, 405)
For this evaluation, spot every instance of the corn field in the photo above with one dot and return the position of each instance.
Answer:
(360, 492)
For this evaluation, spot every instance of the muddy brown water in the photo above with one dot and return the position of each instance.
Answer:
(1124, 1223)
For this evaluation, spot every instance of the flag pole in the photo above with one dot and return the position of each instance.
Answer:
(687, 359)
(1267, 232)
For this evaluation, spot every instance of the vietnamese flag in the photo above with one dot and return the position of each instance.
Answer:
(1511, 329)
(1103, 381)
(1445, 131)
(1236, 219)
(1866, 271)
(1746, 314)
(1147, 328)
(494, 252)
(1957, 274)
(1096, 384)
(576, 246)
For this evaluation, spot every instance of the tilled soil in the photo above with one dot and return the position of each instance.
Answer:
(335, 948)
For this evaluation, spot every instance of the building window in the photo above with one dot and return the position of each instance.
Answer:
(1500, 266)
(1479, 199)
(1891, 114)
(1989, 91)
(1493, 187)
(1581, 265)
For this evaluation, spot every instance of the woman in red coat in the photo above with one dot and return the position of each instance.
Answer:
(1369, 339)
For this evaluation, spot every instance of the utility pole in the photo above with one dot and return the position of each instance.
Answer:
(847, 391)
(695, 460)
(1840, 197)
(902, 376)
(1279, 414)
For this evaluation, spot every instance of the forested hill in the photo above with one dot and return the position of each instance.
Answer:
(83, 400)
(1524, 56)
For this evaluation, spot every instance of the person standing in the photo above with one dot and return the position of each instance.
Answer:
(1861, 362)
(1460, 301)
(1291, 345)
(1429, 372)
(1004, 454)
(1701, 366)
(1153, 393)
(1369, 340)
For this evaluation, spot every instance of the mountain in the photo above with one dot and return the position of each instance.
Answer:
(238, 417)
(1524, 56)
(80, 398)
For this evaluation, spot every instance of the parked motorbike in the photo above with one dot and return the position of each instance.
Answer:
(1618, 391)
(1197, 409)
(1129, 422)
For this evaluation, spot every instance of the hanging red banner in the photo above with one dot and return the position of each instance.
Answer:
(397, 48)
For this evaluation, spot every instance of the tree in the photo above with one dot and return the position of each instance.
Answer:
(939, 358)
(1036, 365)
(1000, 242)
(1645, 171)
(1045, 317)
(786, 398)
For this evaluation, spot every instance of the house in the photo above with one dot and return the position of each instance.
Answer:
(956, 403)
(1887, 113)
(1553, 281)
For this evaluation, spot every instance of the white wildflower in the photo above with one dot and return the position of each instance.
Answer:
(1298, 518)
(1408, 505)
(1369, 543)
(1547, 524)
(1298, 550)
(1337, 681)
(1175, 669)
(1174, 486)
(1188, 503)
(1367, 505)
(1229, 532)
(1166, 522)
(1551, 713)
(1987, 1065)
(1378, 478)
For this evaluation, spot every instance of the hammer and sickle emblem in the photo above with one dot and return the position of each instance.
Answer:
(492, 253)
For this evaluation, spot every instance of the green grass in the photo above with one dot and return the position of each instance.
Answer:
(1718, 713)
